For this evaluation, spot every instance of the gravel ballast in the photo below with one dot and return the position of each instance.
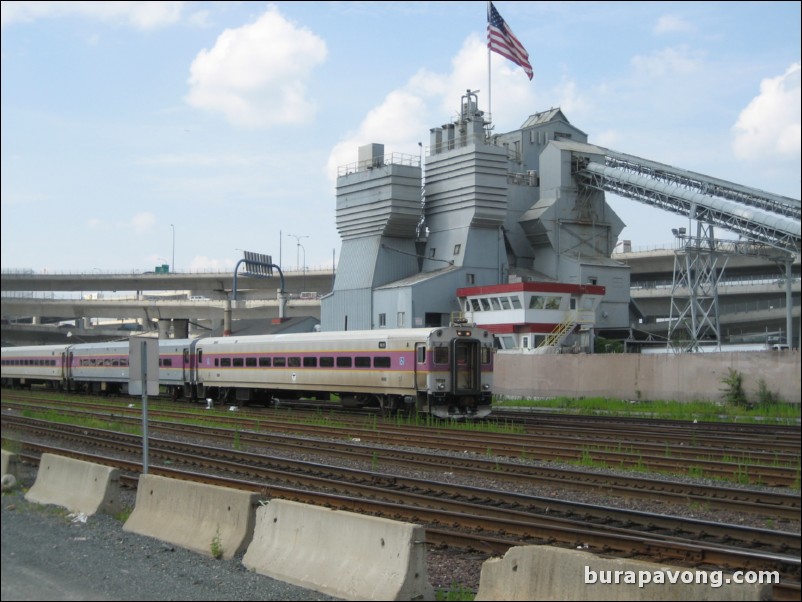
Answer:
(49, 555)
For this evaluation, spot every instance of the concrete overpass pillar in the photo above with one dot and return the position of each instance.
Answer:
(227, 319)
(36, 320)
(164, 329)
(180, 329)
(282, 303)
(87, 323)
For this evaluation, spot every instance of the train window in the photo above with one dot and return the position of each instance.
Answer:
(216, 362)
(343, 362)
(250, 362)
(294, 362)
(168, 362)
(486, 355)
(115, 362)
(225, 362)
(264, 362)
(326, 362)
(310, 362)
(362, 362)
(124, 361)
(441, 355)
(421, 355)
(279, 362)
(239, 362)
(381, 362)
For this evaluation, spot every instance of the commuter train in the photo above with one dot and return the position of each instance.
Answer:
(440, 371)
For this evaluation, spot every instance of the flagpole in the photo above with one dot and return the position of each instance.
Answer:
(489, 88)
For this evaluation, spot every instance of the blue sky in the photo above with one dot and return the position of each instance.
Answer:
(220, 125)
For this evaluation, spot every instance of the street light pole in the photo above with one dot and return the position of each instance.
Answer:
(172, 268)
(303, 267)
(298, 249)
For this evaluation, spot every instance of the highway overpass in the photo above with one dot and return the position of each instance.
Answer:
(751, 298)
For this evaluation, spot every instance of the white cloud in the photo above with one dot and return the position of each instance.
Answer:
(143, 222)
(405, 115)
(667, 62)
(769, 127)
(256, 75)
(142, 15)
(201, 262)
(668, 24)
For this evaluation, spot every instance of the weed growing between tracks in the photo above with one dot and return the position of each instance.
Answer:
(456, 592)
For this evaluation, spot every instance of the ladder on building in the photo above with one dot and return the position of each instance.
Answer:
(555, 338)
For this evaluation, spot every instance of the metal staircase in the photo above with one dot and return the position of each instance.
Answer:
(552, 342)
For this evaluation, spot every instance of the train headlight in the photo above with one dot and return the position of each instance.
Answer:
(463, 333)
(441, 384)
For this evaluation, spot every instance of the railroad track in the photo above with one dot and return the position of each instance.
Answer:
(660, 539)
(773, 506)
(754, 465)
(465, 517)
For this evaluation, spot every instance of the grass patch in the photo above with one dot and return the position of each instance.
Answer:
(124, 514)
(455, 592)
(706, 411)
(94, 423)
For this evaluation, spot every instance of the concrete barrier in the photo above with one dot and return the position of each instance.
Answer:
(76, 485)
(9, 463)
(339, 553)
(551, 573)
(8, 471)
(211, 520)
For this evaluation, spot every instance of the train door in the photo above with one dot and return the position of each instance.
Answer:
(420, 367)
(186, 368)
(465, 367)
(66, 368)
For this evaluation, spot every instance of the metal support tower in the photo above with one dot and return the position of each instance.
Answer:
(694, 317)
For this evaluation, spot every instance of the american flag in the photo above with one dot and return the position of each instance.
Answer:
(500, 39)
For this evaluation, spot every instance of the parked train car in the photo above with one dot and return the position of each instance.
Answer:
(103, 367)
(33, 365)
(444, 371)
(96, 367)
